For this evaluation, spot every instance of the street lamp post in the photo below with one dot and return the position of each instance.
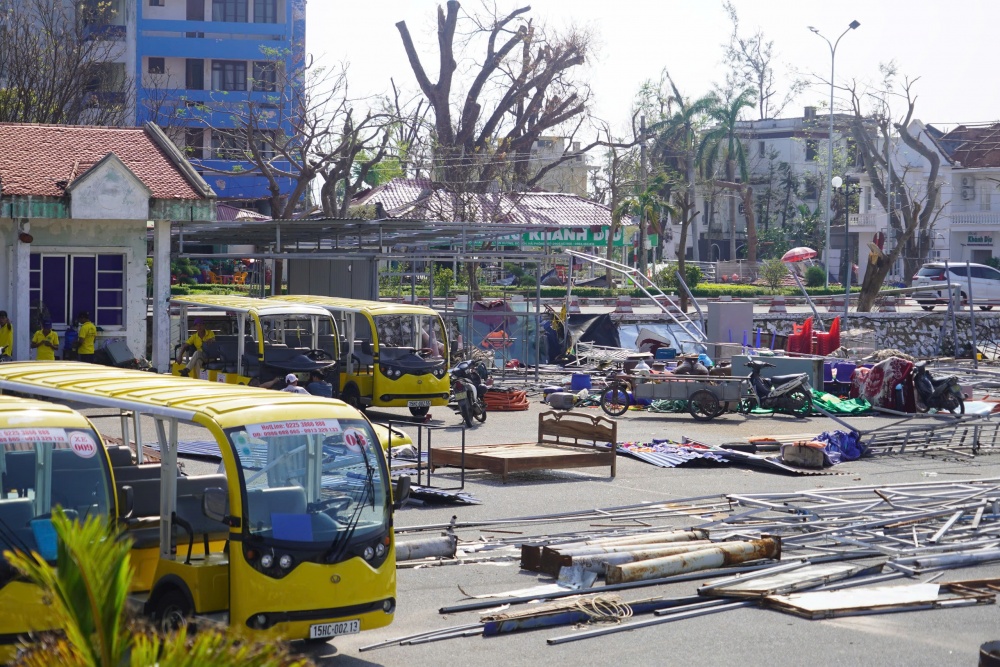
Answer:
(829, 157)
(837, 182)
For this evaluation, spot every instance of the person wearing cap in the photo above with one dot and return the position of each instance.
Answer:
(6, 334)
(46, 341)
(318, 386)
(292, 385)
(194, 345)
(85, 337)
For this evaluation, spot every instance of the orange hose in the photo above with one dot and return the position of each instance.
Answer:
(506, 401)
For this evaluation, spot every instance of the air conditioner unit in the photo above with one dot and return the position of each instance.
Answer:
(968, 181)
(968, 193)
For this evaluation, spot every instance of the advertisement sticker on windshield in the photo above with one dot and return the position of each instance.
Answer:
(303, 427)
(10, 436)
(82, 444)
(355, 439)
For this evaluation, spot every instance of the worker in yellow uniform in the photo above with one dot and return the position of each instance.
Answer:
(85, 337)
(193, 345)
(6, 334)
(46, 341)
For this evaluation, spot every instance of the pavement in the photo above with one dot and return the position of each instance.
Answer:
(934, 637)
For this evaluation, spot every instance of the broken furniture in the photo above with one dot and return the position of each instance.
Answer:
(565, 440)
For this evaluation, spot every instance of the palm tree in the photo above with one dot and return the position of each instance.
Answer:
(88, 589)
(721, 143)
(675, 143)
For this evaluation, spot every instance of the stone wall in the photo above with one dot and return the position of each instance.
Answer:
(918, 334)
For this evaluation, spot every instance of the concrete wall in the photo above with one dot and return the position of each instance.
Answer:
(323, 277)
(91, 236)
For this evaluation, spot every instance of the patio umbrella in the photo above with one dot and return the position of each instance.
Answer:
(799, 254)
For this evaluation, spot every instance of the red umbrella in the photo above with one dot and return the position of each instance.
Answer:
(799, 254)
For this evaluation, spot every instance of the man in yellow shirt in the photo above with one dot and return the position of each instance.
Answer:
(85, 337)
(46, 341)
(6, 334)
(193, 345)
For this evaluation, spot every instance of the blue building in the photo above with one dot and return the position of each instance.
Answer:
(198, 63)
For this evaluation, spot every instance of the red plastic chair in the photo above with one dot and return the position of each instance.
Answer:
(800, 340)
(829, 341)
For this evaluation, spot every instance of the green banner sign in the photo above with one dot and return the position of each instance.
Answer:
(566, 237)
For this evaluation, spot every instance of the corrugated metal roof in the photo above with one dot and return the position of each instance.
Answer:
(973, 145)
(41, 160)
(416, 198)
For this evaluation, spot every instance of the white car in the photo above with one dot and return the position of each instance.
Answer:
(985, 284)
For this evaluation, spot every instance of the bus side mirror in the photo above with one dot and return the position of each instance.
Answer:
(214, 504)
(454, 347)
(401, 491)
(126, 502)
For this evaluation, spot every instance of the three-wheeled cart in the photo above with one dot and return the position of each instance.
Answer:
(707, 397)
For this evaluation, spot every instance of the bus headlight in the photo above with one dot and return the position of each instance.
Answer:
(266, 561)
(285, 561)
(379, 549)
(368, 553)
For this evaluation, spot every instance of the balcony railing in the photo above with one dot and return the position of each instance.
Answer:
(983, 219)
(868, 220)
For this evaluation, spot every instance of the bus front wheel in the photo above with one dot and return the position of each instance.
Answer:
(352, 397)
(171, 611)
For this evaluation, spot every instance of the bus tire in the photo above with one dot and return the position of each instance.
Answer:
(171, 610)
(420, 413)
(352, 397)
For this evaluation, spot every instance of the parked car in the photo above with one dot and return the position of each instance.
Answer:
(985, 284)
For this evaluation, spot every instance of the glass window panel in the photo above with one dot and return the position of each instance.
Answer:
(111, 262)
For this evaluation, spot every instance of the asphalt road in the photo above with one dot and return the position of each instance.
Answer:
(936, 637)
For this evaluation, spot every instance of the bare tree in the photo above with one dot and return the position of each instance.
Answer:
(752, 59)
(332, 136)
(913, 203)
(58, 64)
(522, 88)
(618, 173)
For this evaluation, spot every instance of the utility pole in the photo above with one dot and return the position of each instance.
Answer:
(642, 197)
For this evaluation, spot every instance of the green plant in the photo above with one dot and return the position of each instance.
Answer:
(772, 271)
(87, 592)
(815, 276)
(443, 280)
(667, 276)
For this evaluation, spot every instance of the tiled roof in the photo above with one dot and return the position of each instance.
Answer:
(413, 198)
(973, 145)
(37, 159)
(230, 212)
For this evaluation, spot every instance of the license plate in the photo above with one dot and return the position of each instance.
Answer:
(324, 630)
(418, 404)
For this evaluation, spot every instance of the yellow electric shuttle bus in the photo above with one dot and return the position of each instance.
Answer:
(292, 538)
(394, 355)
(250, 341)
(52, 457)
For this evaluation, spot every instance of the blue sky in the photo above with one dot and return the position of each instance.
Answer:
(947, 45)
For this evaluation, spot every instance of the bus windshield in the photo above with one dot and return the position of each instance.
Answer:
(316, 485)
(400, 336)
(44, 468)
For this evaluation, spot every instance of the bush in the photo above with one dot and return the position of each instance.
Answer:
(815, 276)
(667, 278)
(773, 271)
(443, 281)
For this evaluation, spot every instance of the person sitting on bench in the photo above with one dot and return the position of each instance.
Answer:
(194, 345)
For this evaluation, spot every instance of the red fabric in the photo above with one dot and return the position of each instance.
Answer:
(858, 379)
(880, 386)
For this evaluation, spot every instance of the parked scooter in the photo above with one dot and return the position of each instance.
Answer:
(468, 389)
(782, 393)
(939, 394)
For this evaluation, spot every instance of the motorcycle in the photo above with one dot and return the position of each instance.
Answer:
(782, 393)
(939, 394)
(468, 389)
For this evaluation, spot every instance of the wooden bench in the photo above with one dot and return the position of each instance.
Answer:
(565, 440)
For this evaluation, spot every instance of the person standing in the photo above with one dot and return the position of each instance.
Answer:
(46, 341)
(6, 334)
(86, 336)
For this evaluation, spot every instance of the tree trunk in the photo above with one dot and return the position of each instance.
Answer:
(731, 177)
(751, 226)
(878, 268)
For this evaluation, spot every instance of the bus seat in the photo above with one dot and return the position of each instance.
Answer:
(16, 513)
(133, 472)
(75, 491)
(20, 475)
(119, 456)
(262, 503)
(67, 459)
